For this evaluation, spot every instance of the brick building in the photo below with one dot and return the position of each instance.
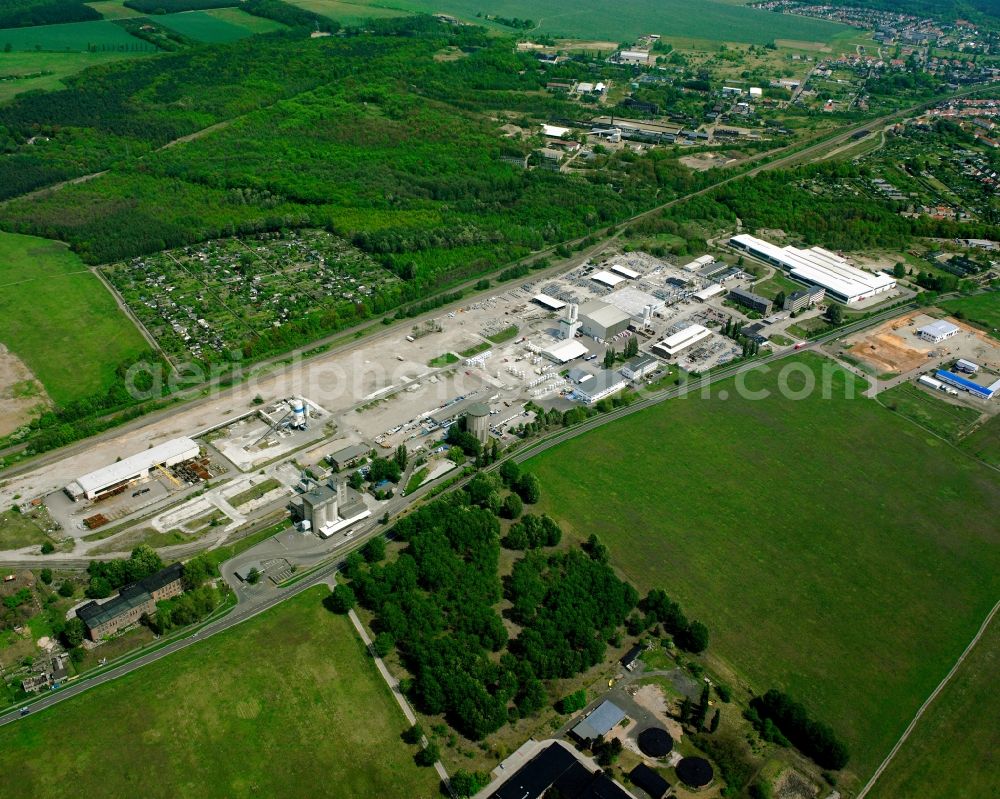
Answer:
(133, 601)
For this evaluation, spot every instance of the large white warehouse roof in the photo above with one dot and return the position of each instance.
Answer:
(820, 267)
(565, 351)
(169, 452)
(681, 340)
(607, 278)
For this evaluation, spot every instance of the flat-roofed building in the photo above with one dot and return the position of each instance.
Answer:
(674, 345)
(803, 298)
(818, 267)
(602, 320)
(606, 278)
(565, 351)
(118, 476)
(604, 383)
(750, 300)
(938, 331)
(640, 367)
(550, 303)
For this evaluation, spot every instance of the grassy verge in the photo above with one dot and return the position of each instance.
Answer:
(446, 359)
(504, 335)
(416, 479)
(254, 493)
(280, 696)
(222, 554)
(478, 348)
(806, 533)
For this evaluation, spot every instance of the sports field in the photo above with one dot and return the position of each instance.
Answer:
(707, 19)
(287, 704)
(952, 751)
(218, 24)
(983, 309)
(98, 36)
(60, 320)
(832, 547)
(28, 71)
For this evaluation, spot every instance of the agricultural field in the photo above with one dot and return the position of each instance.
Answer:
(350, 12)
(290, 698)
(950, 751)
(984, 442)
(982, 309)
(99, 36)
(33, 71)
(58, 318)
(114, 9)
(207, 300)
(802, 545)
(708, 19)
(218, 24)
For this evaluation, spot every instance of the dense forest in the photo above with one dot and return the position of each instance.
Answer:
(439, 605)
(368, 135)
(26, 13)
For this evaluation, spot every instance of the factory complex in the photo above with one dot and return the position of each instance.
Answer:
(818, 267)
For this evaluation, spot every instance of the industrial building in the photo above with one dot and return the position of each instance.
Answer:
(603, 321)
(604, 718)
(930, 382)
(328, 508)
(606, 278)
(565, 351)
(132, 603)
(550, 303)
(118, 476)
(804, 298)
(625, 272)
(750, 300)
(557, 770)
(477, 421)
(699, 263)
(968, 367)
(674, 345)
(708, 292)
(603, 383)
(348, 456)
(964, 384)
(819, 267)
(938, 331)
(640, 367)
(638, 304)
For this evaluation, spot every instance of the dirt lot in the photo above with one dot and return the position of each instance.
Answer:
(895, 347)
(20, 393)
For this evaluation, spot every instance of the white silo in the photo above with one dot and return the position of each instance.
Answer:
(298, 414)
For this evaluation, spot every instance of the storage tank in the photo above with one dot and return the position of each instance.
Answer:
(298, 414)
(477, 419)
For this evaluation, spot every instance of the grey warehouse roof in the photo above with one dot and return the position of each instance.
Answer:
(605, 717)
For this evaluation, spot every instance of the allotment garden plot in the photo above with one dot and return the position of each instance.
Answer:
(204, 301)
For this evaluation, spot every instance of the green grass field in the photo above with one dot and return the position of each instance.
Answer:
(708, 19)
(218, 24)
(60, 320)
(810, 536)
(22, 71)
(983, 309)
(949, 752)
(984, 442)
(287, 704)
(928, 410)
(114, 9)
(101, 36)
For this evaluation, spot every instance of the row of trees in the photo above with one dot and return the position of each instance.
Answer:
(813, 738)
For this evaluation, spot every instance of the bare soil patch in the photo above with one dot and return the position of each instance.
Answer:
(20, 392)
